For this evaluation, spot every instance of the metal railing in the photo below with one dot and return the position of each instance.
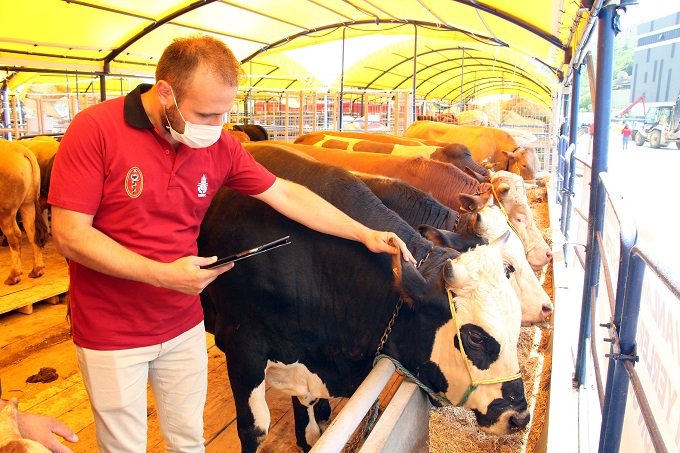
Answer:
(620, 256)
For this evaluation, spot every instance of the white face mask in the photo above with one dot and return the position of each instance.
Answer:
(195, 135)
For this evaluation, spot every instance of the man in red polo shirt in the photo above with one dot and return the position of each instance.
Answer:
(131, 183)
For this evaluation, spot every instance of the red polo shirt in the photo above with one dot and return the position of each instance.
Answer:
(149, 198)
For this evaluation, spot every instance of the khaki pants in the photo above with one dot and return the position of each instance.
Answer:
(116, 383)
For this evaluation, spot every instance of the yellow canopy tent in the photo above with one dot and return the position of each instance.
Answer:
(444, 50)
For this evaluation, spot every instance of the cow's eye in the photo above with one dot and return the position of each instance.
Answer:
(476, 340)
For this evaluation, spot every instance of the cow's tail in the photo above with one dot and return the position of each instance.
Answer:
(40, 225)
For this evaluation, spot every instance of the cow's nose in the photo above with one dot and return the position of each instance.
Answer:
(518, 421)
(547, 310)
(549, 255)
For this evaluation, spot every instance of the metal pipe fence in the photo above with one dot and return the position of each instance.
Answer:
(624, 266)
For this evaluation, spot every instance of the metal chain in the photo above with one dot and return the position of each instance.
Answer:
(390, 324)
(455, 224)
(388, 330)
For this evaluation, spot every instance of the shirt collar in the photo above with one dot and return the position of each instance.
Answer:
(133, 109)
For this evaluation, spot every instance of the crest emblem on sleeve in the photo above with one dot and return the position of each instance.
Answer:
(134, 182)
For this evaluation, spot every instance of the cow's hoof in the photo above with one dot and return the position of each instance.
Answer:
(37, 272)
(13, 279)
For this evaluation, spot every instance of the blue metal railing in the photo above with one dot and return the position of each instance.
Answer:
(633, 261)
(562, 166)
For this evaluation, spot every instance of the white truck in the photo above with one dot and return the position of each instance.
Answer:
(661, 125)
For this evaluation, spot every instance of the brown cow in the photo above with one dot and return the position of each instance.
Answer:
(20, 192)
(443, 181)
(485, 143)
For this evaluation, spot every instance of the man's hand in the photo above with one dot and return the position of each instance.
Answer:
(186, 276)
(388, 242)
(42, 429)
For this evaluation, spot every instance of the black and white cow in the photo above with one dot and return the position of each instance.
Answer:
(307, 318)
(482, 218)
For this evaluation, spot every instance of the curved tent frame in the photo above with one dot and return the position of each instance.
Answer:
(124, 39)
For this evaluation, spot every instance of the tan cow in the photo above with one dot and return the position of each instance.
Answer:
(44, 149)
(452, 153)
(511, 193)
(485, 143)
(11, 440)
(356, 142)
(472, 118)
(20, 192)
(371, 136)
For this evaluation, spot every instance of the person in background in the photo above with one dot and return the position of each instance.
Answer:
(42, 429)
(626, 133)
(131, 182)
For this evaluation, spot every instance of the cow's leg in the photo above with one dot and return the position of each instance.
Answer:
(28, 218)
(322, 413)
(11, 231)
(310, 421)
(246, 375)
(302, 421)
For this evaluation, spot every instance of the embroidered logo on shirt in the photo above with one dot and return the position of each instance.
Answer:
(134, 182)
(202, 186)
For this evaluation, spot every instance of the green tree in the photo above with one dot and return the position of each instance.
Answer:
(624, 50)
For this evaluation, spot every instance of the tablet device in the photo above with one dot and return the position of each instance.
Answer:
(250, 252)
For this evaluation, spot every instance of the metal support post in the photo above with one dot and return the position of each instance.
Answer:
(603, 88)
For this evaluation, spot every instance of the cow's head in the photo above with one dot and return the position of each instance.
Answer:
(522, 161)
(474, 344)
(458, 155)
(512, 195)
(490, 224)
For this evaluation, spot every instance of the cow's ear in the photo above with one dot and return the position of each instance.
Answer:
(455, 275)
(501, 241)
(479, 177)
(432, 234)
(489, 165)
(485, 190)
(514, 156)
(409, 283)
(473, 203)
(503, 189)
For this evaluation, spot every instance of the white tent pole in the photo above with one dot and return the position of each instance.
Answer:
(462, 71)
(415, 58)
(342, 79)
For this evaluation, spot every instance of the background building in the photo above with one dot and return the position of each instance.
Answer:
(656, 70)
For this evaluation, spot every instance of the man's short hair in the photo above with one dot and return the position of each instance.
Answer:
(184, 55)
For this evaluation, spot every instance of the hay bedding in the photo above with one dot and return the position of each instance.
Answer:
(454, 429)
